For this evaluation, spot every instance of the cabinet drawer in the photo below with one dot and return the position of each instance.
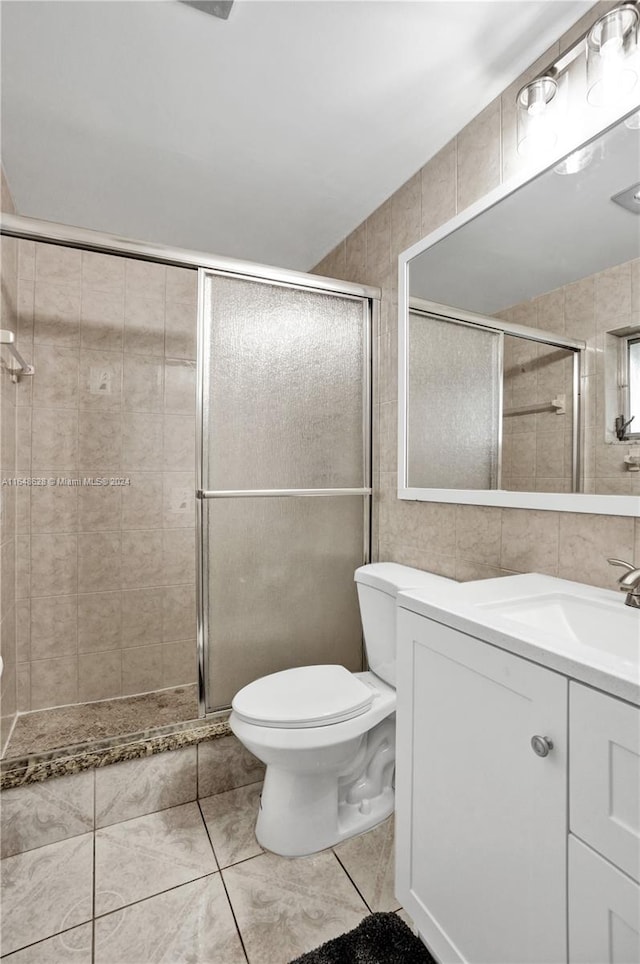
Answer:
(604, 782)
(604, 910)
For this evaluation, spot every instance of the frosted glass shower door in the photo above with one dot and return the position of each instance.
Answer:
(285, 478)
(454, 404)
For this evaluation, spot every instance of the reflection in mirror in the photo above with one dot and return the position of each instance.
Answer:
(540, 451)
(632, 376)
(454, 374)
(560, 256)
(505, 401)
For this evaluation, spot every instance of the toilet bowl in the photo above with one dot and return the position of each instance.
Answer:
(327, 736)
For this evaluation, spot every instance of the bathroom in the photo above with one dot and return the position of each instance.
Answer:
(134, 611)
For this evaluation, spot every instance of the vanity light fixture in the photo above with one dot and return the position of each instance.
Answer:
(536, 131)
(611, 43)
(613, 68)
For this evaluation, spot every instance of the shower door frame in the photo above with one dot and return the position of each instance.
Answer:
(51, 232)
(461, 316)
(315, 284)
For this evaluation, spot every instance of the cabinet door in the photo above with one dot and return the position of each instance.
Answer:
(481, 860)
(604, 790)
(604, 910)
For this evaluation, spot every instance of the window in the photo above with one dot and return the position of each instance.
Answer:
(630, 386)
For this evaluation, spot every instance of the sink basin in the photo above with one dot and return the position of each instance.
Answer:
(591, 623)
(583, 631)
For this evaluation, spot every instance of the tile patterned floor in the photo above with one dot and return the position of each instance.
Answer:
(188, 884)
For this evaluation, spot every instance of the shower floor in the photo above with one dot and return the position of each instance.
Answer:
(44, 730)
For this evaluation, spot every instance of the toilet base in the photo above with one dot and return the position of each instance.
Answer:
(299, 836)
(302, 813)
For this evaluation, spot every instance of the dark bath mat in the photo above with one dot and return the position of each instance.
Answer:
(379, 939)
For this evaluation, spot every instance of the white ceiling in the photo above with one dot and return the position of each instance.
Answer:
(552, 231)
(268, 136)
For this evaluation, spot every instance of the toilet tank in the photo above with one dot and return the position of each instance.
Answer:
(378, 585)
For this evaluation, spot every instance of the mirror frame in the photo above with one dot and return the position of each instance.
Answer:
(622, 505)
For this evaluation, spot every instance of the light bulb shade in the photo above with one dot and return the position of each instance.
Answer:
(612, 47)
(537, 131)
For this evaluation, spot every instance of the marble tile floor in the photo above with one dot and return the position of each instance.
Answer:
(188, 884)
(43, 730)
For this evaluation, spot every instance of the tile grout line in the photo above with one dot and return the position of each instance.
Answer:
(93, 896)
(107, 828)
(26, 947)
(352, 881)
(116, 910)
(224, 883)
(77, 503)
(143, 900)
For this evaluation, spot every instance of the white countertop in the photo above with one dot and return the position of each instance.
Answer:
(481, 609)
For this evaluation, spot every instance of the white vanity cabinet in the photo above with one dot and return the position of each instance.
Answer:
(605, 775)
(481, 819)
(604, 910)
(604, 820)
(504, 855)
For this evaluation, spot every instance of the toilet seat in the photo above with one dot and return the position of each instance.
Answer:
(308, 696)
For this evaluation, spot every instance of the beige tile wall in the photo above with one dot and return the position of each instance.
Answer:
(536, 448)
(464, 541)
(8, 319)
(585, 309)
(106, 575)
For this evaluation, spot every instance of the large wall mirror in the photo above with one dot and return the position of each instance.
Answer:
(519, 337)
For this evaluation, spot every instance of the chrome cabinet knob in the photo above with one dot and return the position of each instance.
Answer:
(541, 745)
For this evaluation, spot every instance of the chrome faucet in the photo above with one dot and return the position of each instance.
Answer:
(629, 583)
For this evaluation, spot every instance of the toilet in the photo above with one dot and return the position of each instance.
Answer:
(327, 736)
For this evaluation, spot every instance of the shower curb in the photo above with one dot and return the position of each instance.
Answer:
(22, 771)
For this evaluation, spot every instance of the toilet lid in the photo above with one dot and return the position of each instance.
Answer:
(306, 696)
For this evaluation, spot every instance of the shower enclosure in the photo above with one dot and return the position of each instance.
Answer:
(230, 406)
(284, 476)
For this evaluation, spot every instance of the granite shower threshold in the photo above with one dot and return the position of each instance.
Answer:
(41, 764)
(40, 731)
